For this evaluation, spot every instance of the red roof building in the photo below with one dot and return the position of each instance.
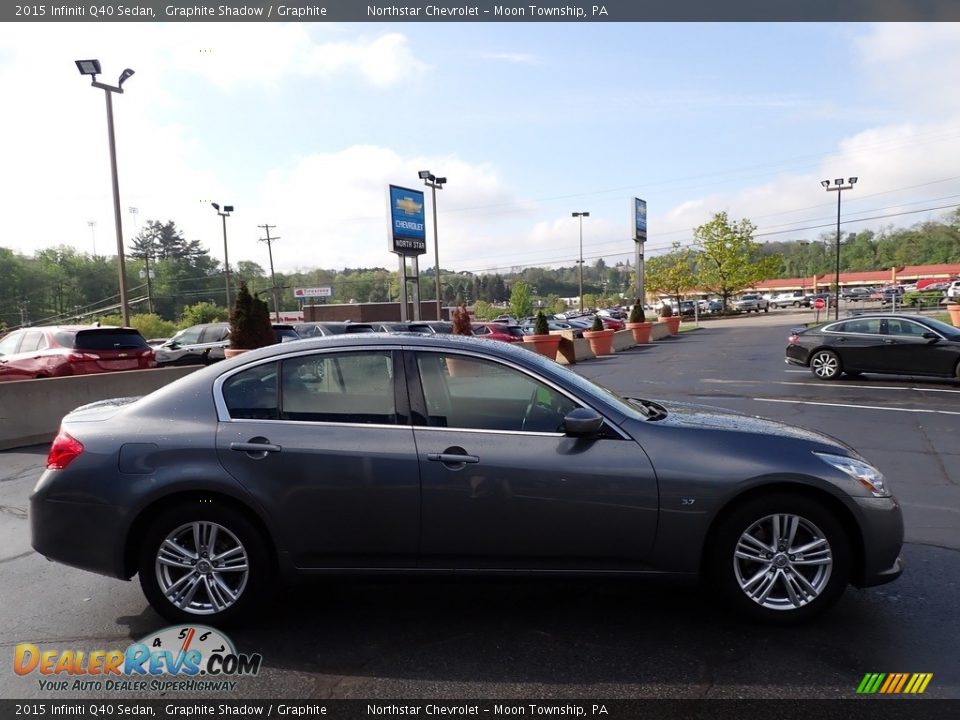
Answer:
(893, 276)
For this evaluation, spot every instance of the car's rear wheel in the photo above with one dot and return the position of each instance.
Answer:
(204, 562)
(825, 364)
(780, 558)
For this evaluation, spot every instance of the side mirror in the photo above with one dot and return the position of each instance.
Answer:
(582, 422)
(931, 336)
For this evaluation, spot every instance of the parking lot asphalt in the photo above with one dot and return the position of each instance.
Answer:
(550, 639)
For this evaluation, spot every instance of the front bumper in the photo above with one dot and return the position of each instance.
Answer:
(881, 526)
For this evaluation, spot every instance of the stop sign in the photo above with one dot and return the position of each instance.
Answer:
(819, 304)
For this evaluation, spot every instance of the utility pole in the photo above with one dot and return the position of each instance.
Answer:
(273, 281)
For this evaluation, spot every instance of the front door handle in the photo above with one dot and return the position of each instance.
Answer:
(888, 341)
(453, 458)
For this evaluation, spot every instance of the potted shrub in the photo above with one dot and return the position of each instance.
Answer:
(954, 309)
(250, 326)
(638, 325)
(456, 366)
(542, 341)
(601, 339)
(461, 321)
(672, 321)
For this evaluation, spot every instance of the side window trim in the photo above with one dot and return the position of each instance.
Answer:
(401, 394)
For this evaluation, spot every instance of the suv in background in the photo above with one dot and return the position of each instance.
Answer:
(204, 344)
(953, 290)
(752, 302)
(62, 350)
(789, 299)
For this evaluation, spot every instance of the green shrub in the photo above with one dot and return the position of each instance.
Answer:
(540, 326)
(636, 313)
(597, 323)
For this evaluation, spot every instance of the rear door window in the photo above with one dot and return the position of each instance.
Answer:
(32, 340)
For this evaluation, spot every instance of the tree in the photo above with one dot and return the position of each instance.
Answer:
(672, 274)
(728, 259)
(249, 322)
(521, 301)
(203, 312)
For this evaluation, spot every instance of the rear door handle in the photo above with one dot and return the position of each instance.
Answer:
(888, 341)
(252, 447)
(452, 458)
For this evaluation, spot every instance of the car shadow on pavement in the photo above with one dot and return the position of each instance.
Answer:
(533, 632)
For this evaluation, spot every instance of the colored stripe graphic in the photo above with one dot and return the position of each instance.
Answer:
(894, 683)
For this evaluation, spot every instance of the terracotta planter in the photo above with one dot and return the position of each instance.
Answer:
(954, 310)
(673, 324)
(546, 345)
(641, 332)
(462, 367)
(601, 341)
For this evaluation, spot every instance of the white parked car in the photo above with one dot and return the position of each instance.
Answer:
(953, 290)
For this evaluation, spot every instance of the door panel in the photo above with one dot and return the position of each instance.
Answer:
(526, 495)
(342, 476)
(535, 501)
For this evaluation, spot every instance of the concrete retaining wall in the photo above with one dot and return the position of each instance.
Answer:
(31, 410)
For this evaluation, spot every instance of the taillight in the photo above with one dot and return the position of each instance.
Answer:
(793, 339)
(64, 450)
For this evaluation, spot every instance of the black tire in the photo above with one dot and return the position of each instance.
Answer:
(826, 365)
(233, 529)
(727, 571)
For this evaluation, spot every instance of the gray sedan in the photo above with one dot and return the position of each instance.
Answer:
(379, 453)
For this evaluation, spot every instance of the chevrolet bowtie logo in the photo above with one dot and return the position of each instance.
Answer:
(409, 205)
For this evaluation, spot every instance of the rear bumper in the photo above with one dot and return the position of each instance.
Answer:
(83, 535)
(795, 355)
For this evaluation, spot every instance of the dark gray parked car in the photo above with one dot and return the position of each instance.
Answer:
(387, 453)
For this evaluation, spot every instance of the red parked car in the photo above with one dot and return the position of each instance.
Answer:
(57, 351)
(497, 331)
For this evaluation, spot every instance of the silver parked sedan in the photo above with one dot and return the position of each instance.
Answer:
(384, 453)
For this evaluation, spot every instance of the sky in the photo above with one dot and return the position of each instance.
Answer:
(304, 125)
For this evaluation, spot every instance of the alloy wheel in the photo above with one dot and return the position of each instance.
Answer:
(825, 365)
(202, 568)
(783, 562)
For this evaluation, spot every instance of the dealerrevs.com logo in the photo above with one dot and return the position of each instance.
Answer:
(188, 658)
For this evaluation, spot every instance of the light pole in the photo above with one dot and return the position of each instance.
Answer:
(92, 224)
(227, 209)
(435, 183)
(838, 187)
(146, 256)
(92, 68)
(581, 215)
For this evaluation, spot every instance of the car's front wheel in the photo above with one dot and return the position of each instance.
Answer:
(825, 364)
(204, 562)
(780, 558)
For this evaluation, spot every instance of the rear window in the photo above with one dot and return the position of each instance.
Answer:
(102, 339)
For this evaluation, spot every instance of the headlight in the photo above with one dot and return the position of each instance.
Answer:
(864, 473)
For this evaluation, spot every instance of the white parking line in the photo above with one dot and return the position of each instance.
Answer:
(866, 387)
(858, 407)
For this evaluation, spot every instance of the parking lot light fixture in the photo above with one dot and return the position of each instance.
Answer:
(92, 68)
(224, 214)
(581, 215)
(838, 186)
(435, 183)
